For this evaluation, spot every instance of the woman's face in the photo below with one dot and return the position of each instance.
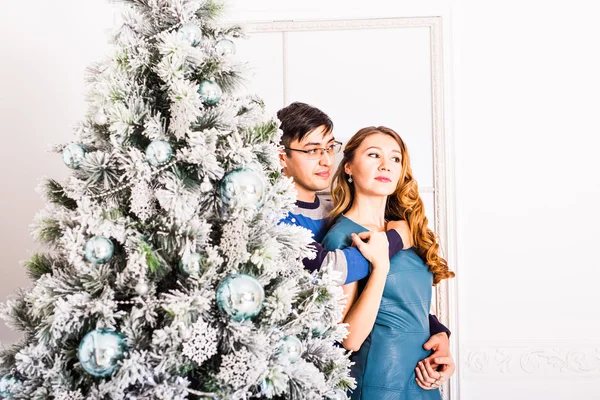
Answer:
(376, 166)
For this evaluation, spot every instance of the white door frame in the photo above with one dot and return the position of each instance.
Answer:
(444, 306)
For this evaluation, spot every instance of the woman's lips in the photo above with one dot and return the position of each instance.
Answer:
(383, 179)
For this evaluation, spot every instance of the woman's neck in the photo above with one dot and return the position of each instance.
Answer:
(368, 212)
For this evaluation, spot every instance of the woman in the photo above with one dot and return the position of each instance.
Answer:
(388, 321)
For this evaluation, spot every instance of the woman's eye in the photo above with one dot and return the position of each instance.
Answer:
(396, 159)
(373, 155)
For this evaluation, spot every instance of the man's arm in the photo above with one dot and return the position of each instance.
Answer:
(341, 259)
(435, 326)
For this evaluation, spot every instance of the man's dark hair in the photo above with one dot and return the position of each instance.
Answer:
(298, 119)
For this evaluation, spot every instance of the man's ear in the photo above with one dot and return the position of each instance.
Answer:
(283, 160)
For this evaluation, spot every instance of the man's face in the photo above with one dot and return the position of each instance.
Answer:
(310, 174)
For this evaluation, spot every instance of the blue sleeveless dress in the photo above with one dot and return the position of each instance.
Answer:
(384, 366)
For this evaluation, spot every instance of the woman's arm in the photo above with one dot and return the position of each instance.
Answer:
(363, 311)
(351, 292)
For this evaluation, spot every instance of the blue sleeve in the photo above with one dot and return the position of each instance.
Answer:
(359, 267)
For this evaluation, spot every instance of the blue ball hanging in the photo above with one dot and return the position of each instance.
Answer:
(190, 33)
(243, 187)
(290, 349)
(210, 93)
(73, 154)
(99, 250)
(319, 328)
(240, 296)
(7, 386)
(338, 394)
(192, 264)
(100, 350)
(225, 47)
(159, 153)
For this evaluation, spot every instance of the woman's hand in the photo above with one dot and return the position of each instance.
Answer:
(374, 247)
(428, 378)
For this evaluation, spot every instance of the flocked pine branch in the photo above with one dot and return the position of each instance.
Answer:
(167, 273)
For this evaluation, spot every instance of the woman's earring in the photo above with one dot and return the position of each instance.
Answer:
(350, 179)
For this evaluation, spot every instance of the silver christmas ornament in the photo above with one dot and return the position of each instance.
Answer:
(100, 350)
(73, 155)
(190, 33)
(225, 47)
(192, 264)
(338, 394)
(7, 386)
(243, 187)
(290, 350)
(210, 93)
(240, 296)
(159, 153)
(99, 250)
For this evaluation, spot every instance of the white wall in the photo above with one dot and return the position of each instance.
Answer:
(44, 51)
(523, 103)
(526, 132)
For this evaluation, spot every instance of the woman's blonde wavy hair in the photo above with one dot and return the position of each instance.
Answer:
(404, 204)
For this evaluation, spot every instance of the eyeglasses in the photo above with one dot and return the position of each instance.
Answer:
(317, 152)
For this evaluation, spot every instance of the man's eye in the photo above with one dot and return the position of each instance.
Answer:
(331, 148)
(312, 152)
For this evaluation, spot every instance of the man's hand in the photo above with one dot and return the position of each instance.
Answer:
(440, 345)
(373, 246)
(403, 231)
(439, 366)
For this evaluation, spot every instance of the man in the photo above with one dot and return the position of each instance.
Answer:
(309, 148)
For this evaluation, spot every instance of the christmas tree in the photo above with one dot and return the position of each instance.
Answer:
(166, 273)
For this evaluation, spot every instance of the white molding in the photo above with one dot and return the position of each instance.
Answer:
(443, 173)
(284, 52)
(531, 360)
(339, 24)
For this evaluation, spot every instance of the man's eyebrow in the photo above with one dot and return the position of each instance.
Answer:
(317, 143)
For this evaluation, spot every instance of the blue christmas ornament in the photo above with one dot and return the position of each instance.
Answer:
(159, 153)
(240, 296)
(338, 394)
(243, 187)
(210, 93)
(290, 349)
(100, 350)
(319, 328)
(73, 154)
(190, 33)
(225, 47)
(99, 250)
(192, 264)
(7, 386)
